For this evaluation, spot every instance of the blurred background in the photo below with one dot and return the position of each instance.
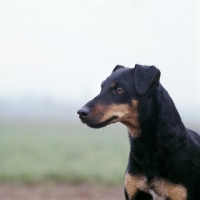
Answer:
(53, 56)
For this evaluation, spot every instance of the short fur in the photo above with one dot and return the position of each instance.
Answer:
(164, 158)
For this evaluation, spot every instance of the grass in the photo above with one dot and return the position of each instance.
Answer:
(57, 152)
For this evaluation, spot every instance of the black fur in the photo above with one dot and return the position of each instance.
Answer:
(144, 76)
(164, 149)
(117, 67)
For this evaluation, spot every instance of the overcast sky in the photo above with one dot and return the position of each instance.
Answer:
(63, 49)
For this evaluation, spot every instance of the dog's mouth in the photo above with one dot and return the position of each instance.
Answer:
(96, 124)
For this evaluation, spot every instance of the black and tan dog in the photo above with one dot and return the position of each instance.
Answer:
(164, 160)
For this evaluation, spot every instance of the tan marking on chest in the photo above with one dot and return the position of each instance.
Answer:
(167, 189)
(135, 183)
(161, 187)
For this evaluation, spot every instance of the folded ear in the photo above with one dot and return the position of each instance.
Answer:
(117, 67)
(145, 76)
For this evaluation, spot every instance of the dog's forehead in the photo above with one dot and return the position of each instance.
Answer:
(123, 74)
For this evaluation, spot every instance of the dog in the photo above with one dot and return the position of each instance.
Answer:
(164, 159)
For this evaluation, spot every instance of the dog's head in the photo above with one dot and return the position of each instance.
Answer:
(121, 95)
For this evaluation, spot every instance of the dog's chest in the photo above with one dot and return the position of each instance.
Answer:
(155, 196)
(160, 189)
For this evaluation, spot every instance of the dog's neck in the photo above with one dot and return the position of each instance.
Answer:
(169, 126)
(163, 125)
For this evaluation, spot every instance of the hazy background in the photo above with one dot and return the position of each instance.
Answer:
(54, 54)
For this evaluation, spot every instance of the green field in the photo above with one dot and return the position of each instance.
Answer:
(62, 152)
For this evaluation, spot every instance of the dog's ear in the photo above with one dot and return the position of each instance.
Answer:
(145, 76)
(117, 67)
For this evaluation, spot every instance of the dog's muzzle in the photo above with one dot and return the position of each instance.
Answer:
(83, 113)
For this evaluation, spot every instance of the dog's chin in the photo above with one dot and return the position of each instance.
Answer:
(101, 124)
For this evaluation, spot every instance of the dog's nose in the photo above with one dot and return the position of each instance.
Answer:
(83, 112)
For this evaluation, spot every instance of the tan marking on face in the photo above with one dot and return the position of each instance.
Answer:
(134, 103)
(131, 120)
(113, 85)
(135, 183)
(127, 114)
(97, 113)
(166, 189)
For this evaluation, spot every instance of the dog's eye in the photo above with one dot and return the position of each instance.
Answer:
(119, 90)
